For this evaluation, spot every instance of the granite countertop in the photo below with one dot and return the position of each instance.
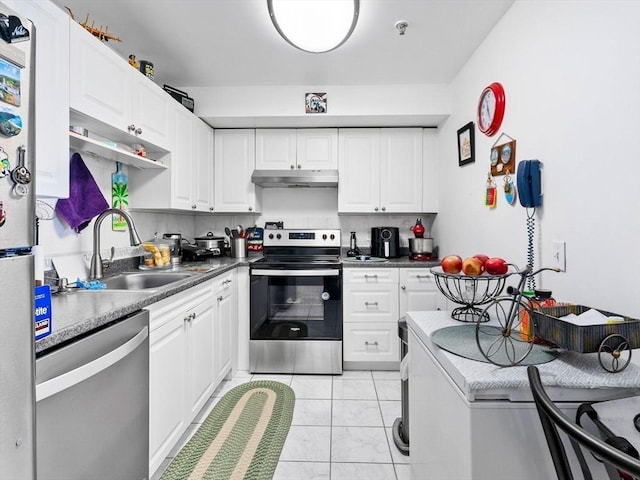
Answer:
(78, 312)
(400, 262)
(576, 375)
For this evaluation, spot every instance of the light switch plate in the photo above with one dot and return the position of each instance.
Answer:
(560, 255)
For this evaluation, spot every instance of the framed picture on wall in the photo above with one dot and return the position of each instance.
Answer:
(466, 146)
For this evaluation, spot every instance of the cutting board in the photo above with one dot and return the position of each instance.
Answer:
(119, 197)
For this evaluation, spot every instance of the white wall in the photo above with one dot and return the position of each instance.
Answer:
(313, 208)
(571, 72)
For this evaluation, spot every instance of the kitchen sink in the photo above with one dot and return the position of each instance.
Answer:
(143, 280)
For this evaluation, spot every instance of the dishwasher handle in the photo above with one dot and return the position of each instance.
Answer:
(77, 375)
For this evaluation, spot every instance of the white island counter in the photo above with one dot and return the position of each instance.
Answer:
(475, 420)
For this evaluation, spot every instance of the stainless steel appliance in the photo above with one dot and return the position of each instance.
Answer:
(92, 405)
(385, 242)
(17, 225)
(296, 303)
(421, 249)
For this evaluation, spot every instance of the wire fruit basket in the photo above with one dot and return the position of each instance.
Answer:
(470, 292)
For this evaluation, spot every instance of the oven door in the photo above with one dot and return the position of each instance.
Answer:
(296, 304)
(296, 320)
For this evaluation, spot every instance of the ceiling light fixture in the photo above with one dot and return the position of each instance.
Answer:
(402, 26)
(315, 26)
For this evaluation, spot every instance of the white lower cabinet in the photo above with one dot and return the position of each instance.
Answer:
(370, 314)
(181, 366)
(225, 295)
(418, 290)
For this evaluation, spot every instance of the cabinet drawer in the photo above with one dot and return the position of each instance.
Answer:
(371, 343)
(418, 276)
(370, 276)
(370, 303)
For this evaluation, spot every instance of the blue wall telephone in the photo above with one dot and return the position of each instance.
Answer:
(529, 183)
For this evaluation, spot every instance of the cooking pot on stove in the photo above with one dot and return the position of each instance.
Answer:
(210, 241)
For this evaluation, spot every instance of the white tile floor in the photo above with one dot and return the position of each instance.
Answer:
(341, 427)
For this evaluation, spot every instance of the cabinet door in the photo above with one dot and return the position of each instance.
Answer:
(365, 342)
(359, 170)
(234, 164)
(225, 316)
(203, 167)
(418, 290)
(401, 170)
(167, 384)
(370, 303)
(100, 81)
(429, 170)
(276, 149)
(317, 148)
(150, 110)
(200, 360)
(181, 159)
(52, 93)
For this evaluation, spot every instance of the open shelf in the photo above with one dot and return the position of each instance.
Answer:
(97, 147)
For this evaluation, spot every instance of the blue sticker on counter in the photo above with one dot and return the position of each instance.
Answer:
(43, 315)
(10, 122)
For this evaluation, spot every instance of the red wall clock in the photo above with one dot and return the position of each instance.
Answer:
(491, 109)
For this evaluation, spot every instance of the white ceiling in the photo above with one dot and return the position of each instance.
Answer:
(201, 43)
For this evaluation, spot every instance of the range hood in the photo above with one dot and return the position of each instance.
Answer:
(295, 178)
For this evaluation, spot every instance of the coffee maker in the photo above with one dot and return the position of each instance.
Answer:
(385, 242)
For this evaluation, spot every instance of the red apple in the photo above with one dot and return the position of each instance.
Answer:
(496, 266)
(472, 266)
(482, 257)
(451, 264)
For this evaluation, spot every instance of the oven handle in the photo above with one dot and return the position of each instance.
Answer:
(329, 272)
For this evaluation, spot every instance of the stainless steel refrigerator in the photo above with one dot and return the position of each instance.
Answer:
(17, 206)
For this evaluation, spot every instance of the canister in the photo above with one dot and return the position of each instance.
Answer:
(239, 247)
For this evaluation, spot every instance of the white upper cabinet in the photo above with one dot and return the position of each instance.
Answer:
(52, 94)
(430, 170)
(317, 148)
(234, 163)
(400, 170)
(275, 149)
(106, 88)
(291, 149)
(380, 170)
(188, 182)
(359, 170)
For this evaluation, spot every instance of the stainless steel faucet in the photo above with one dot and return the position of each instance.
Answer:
(96, 260)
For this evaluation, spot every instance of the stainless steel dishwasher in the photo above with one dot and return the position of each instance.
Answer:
(92, 405)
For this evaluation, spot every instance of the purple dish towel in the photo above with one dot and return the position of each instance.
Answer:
(85, 198)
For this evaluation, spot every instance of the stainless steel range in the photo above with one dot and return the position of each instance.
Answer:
(296, 303)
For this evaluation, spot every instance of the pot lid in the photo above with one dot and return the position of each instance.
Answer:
(209, 236)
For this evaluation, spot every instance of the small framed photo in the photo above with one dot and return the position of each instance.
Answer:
(466, 146)
(315, 102)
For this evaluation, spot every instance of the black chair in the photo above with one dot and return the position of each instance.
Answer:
(625, 466)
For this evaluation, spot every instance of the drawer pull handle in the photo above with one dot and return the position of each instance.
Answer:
(370, 276)
(220, 298)
(374, 344)
(371, 304)
(423, 276)
(403, 287)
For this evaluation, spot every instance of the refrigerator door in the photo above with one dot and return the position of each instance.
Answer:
(17, 365)
(17, 157)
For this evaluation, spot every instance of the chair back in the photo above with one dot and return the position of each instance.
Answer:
(552, 419)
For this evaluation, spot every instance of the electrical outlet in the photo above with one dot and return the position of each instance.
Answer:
(560, 255)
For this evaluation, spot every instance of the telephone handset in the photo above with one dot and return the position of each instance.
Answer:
(529, 183)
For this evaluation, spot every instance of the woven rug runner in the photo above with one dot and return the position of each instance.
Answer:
(241, 438)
